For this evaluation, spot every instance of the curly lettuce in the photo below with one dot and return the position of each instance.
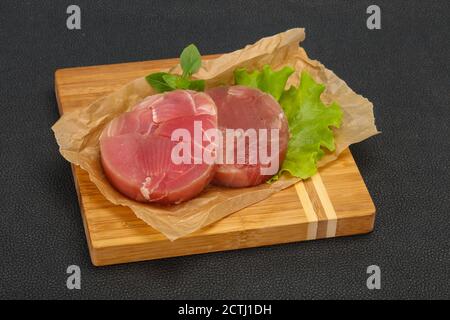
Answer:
(310, 120)
(267, 80)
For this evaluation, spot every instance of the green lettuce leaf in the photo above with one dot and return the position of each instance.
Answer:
(310, 120)
(267, 80)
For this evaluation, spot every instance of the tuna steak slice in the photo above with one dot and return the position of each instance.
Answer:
(240, 107)
(136, 148)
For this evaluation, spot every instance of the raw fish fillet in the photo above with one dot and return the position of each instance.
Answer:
(136, 148)
(240, 107)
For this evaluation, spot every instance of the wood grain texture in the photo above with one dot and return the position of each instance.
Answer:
(333, 203)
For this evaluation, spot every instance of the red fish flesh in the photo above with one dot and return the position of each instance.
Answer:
(136, 148)
(243, 108)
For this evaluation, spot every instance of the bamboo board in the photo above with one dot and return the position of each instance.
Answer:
(333, 203)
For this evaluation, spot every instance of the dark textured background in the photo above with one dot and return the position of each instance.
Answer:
(403, 69)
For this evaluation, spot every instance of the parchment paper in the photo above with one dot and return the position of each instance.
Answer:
(77, 132)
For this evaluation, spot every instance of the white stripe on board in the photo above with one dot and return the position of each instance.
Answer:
(311, 215)
(326, 204)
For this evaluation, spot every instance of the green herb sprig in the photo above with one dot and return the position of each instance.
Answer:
(191, 61)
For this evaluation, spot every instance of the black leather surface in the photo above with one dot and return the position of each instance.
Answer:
(403, 68)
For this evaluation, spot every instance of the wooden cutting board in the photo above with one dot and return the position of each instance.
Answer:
(335, 202)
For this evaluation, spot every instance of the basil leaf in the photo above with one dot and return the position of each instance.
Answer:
(190, 60)
(176, 82)
(156, 80)
(197, 85)
(183, 83)
(171, 80)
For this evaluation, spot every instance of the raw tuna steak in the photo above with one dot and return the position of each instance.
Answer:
(136, 148)
(246, 108)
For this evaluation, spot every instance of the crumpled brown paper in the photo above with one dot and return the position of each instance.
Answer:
(77, 132)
